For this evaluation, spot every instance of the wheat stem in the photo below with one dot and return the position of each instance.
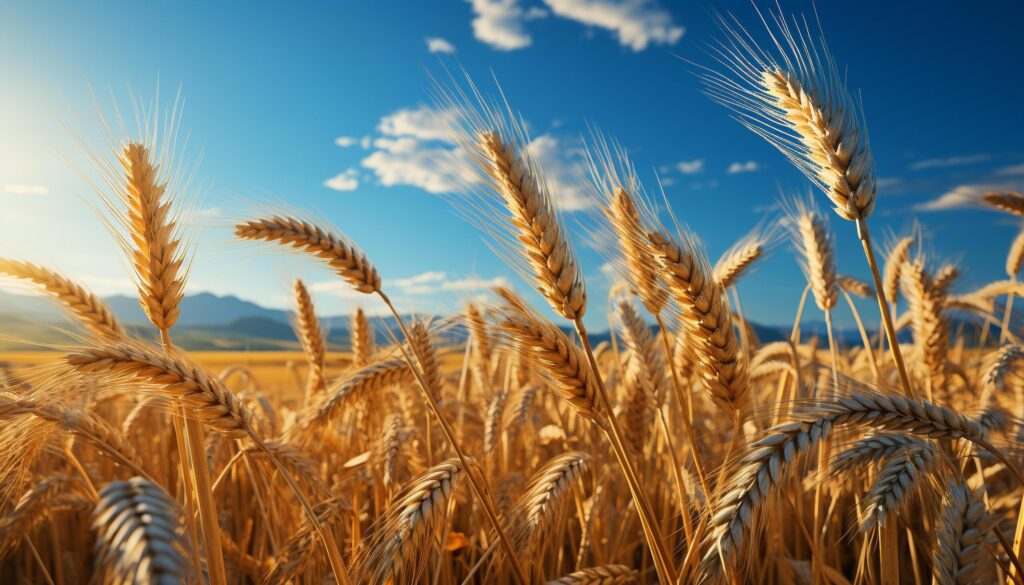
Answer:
(883, 307)
(650, 524)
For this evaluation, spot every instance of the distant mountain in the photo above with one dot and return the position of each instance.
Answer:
(212, 322)
(199, 309)
(207, 322)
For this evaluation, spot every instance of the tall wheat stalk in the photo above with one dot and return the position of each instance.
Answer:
(536, 240)
(792, 94)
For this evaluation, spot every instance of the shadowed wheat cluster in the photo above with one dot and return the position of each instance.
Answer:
(504, 446)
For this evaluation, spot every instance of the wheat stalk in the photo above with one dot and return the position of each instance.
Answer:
(534, 224)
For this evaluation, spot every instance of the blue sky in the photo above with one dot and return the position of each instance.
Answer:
(321, 104)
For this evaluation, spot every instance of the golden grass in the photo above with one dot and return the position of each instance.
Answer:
(529, 454)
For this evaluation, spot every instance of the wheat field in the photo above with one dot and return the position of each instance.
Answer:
(682, 450)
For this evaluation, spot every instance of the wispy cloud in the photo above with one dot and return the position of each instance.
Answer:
(1012, 170)
(347, 180)
(636, 24)
(743, 167)
(439, 45)
(963, 196)
(26, 189)
(346, 141)
(690, 167)
(474, 283)
(952, 161)
(420, 279)
(499, 23)
(437, 282)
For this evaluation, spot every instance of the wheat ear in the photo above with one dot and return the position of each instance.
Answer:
(307, 328)
(872, 449)
(794, 95)
(739, 259)
(396, 552)
(761, 471)
(204, 396)
(814, 241)
(337, 252)
(895, 260)
(1010, 202)
(964, 532)
(140, 534)
(560, 358)
(534, 223)
(156, 255)
(603, 575)
(89, 309)
(898, 477)
(361, 338)
(706, 319)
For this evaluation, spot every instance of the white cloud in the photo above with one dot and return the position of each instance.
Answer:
(690, 167)
(475, 283)
(407, 161)
(961, 196)
(345, 141)
(499, 23)
(337, 288)
(347, 180)
(423, 123)
(536, 12)
(564, 172)
(439, 45)
(636, 23)
(743, 167)
(208, 212)
(952, 161)
(25, 189)
(365, 142)
(419, 279)
(435, 282)
(884, 182)
(1012, 170)
(416, 148)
